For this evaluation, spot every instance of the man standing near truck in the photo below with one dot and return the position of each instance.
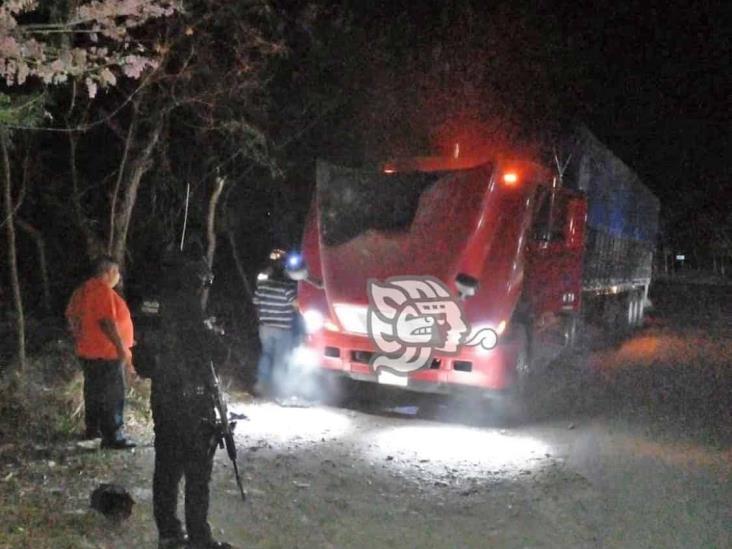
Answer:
(276, 301)
(101, 325)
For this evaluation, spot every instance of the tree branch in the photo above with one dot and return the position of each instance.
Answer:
(121, 173)
(37, 237)
(211, 231)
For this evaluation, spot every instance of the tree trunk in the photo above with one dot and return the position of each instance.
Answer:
(121, 175)
(138, 168)
(94, 247)
(211, 232)
(37, 237)
(239, 265)
(12, 252)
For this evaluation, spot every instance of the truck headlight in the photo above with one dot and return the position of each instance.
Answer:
(314, 320)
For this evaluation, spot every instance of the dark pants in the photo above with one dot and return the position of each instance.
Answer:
(183, 448)
(104, 398)
(276, 348)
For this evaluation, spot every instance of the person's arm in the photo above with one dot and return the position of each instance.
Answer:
(291, 295)
(74, 324)
(72, 315)
(109, 328)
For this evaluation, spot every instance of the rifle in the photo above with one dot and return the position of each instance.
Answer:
(225, 427)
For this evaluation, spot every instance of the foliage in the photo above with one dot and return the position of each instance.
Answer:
(216, 77)
(26, 110)
(93, 41)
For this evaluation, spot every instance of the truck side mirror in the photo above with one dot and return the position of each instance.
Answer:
(466, 285)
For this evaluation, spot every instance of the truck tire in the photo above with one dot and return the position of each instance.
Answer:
(629, 303)
(640, 303)
(523, 363)
(570, 328)
(635, 310)
(511, 408)
(612, 312)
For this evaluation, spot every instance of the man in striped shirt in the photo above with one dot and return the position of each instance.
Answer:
(276, 300)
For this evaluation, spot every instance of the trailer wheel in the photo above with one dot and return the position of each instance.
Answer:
(639, 299)
(613, 317)
(630, 308)
(634, 303)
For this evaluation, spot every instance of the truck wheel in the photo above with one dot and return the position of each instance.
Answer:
(629, 303)
(634, 304)
(613, 317)
(511, 408)
(523, 364)
(640, 302)
(570, 323)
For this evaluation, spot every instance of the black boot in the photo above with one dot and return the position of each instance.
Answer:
(173, 542)
(211, 545)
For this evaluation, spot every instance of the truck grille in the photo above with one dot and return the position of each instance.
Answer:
(362, 357)
(332, 352)
(462, 366)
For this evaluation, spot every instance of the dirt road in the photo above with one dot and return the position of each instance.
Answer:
(632, 450)
(325, 477)
(349, 479)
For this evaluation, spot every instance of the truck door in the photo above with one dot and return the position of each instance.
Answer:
(554, 262)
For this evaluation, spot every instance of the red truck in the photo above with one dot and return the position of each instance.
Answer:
(523, 252)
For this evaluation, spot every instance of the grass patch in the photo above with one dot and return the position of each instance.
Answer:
(45, 479)
(44, 404)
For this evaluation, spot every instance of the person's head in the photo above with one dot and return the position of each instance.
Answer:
(277, 271)
(276, 265)
(107, 269)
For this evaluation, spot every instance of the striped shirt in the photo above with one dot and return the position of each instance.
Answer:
(274, 300)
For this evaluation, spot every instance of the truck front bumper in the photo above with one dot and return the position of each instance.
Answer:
(468, 371)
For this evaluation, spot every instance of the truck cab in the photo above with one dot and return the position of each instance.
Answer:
(497, 240)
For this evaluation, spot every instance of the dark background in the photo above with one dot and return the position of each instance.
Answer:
(649, 79)
(367, 81)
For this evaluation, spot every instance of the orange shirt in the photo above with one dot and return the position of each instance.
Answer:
(90, 303)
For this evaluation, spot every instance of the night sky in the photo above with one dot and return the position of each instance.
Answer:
(657, 90)
(650, 79)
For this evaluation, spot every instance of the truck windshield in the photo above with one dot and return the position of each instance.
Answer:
(352, 202)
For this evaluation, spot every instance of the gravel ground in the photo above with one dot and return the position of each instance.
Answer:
(630, 446)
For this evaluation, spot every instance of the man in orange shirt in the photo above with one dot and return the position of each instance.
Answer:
(101, 324)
